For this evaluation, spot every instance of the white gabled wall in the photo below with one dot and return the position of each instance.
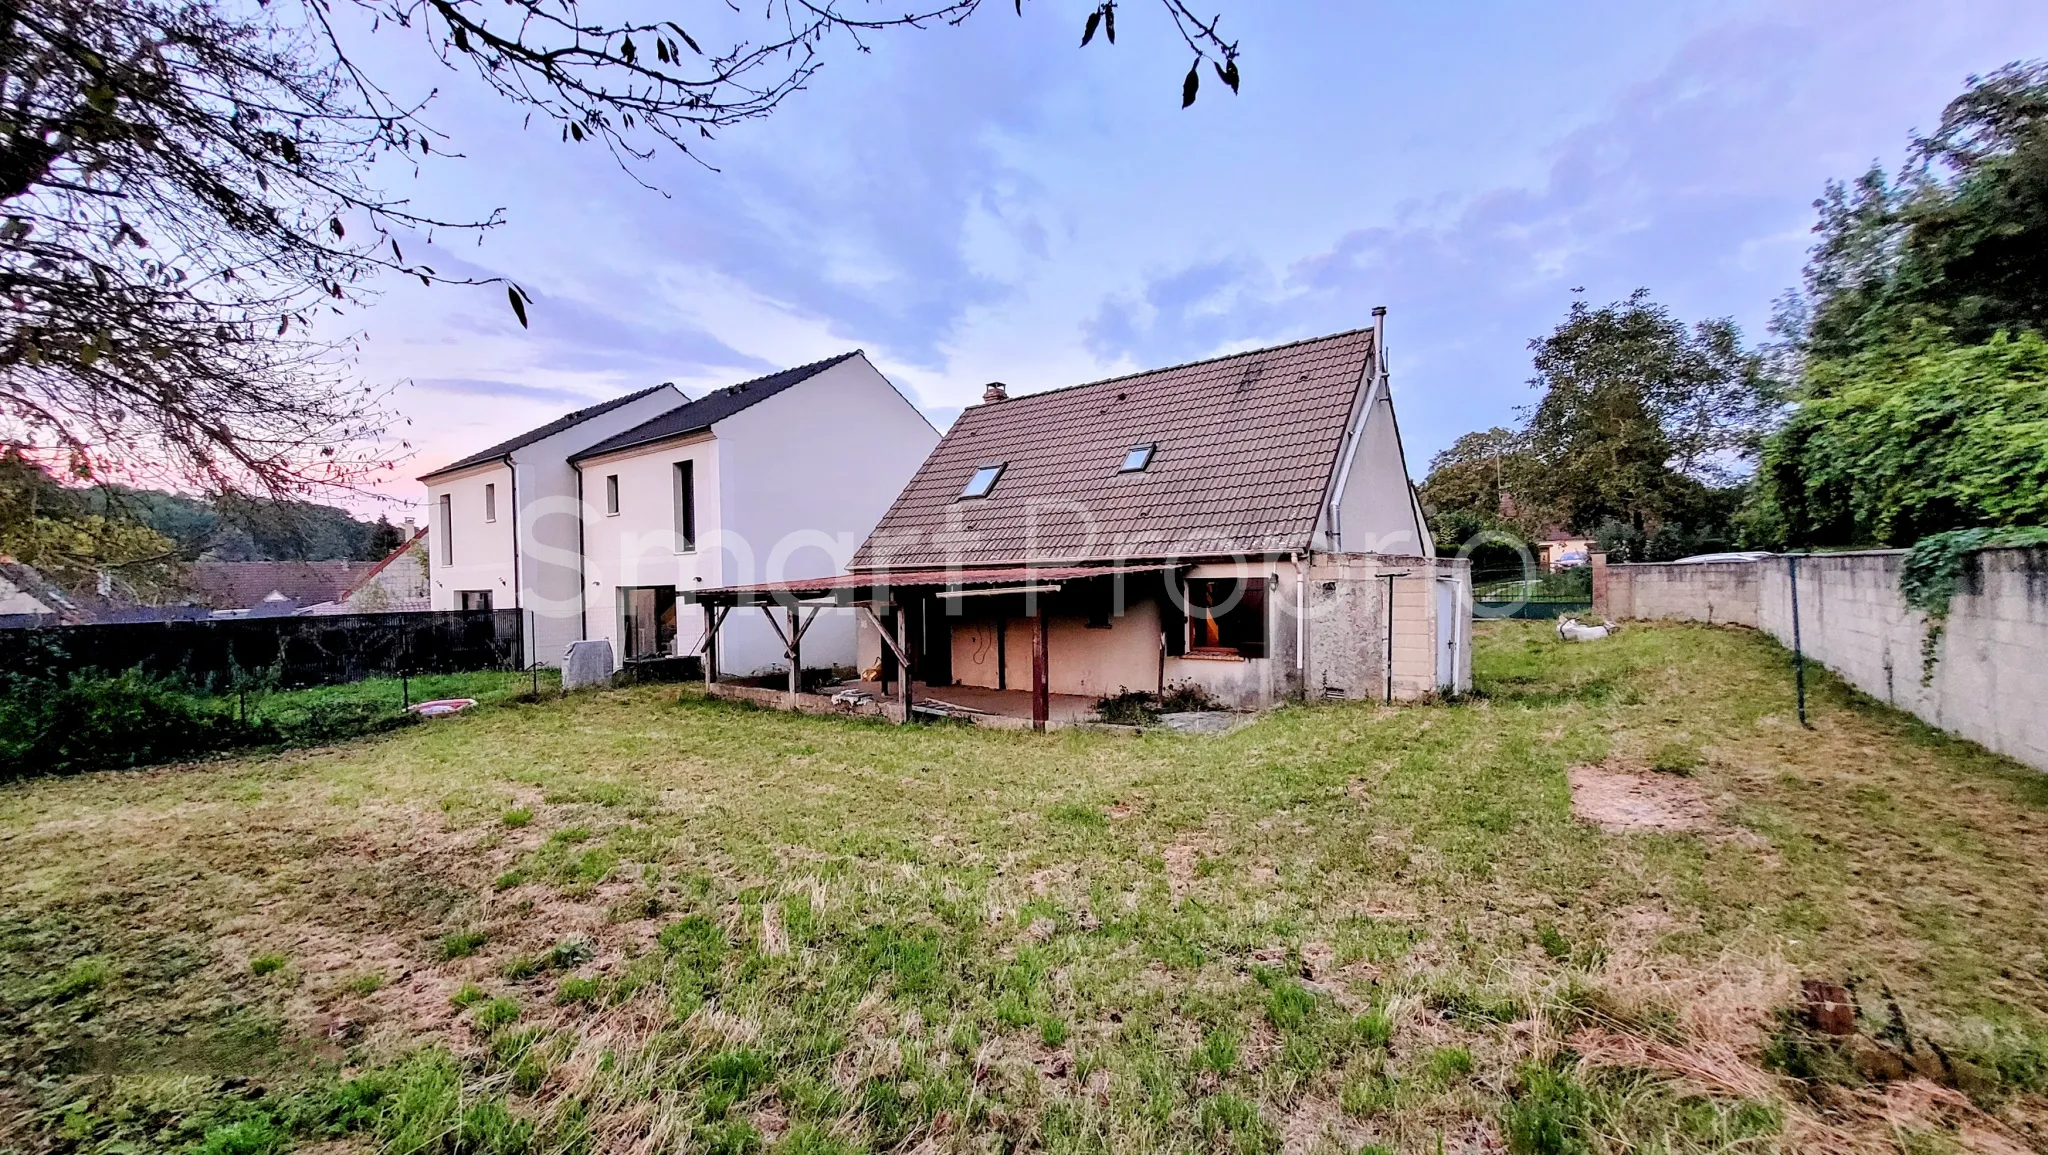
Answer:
(804, 477)
(481, 556)
(1376, 509)
(544, 555)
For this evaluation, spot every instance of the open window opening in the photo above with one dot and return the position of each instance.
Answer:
(984, 479)
(476, 600)
(648, 622)
(1226, 618)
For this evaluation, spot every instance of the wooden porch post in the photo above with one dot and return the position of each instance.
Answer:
(1041, 682)
(903, 674)
(796, 653)
(710, 643)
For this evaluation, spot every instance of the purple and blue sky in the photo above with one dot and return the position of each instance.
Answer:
(990, 202)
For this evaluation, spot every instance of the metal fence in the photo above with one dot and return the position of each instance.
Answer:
(282, 652)
(1514, 593)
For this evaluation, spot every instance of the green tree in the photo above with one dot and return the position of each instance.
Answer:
(1641, 416)
(1884, 450)
(186, 184)
(60, 531)
(1917, 343)
(1957, 240)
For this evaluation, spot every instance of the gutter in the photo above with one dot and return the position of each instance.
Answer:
(518, 582)
(582, 582)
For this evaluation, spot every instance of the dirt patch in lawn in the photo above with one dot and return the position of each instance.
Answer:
(1618, 800)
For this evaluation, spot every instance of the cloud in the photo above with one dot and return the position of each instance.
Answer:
(471, 387)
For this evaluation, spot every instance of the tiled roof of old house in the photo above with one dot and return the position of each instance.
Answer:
(1245, 448)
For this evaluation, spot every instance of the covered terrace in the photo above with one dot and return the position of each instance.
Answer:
(909, 611)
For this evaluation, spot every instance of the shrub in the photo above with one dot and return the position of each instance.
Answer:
(265, 964)
(92, 721)
(1128, 708)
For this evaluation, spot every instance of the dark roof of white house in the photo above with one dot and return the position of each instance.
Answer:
(701, 414)
(566, 421)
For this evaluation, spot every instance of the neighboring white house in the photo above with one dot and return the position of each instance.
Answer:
(776, 478)
(503, 523)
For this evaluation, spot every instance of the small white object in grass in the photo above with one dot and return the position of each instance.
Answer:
(440, 706)
(1571, 630)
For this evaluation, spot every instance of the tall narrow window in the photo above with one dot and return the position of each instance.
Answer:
(447, 530)
(611, 494)
(686, 506)
(490, 502)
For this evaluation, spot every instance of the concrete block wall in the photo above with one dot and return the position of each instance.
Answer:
(1989, 680)
(1708, 592)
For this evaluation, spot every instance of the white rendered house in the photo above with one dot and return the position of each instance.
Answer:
(504, 523)
(781, 477)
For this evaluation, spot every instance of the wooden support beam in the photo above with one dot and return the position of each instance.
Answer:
(714, 616)
(903, 675)
(795, 647)
(882, 631)
(769, 613)
(1041, 680)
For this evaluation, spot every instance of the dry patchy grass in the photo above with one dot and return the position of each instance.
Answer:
(632, 922)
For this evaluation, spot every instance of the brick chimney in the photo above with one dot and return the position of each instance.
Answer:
(409, 530)
(994, 392)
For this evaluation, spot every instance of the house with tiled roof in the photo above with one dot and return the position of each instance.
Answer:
(1241, 528)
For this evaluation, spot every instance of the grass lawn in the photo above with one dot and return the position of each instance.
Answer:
(627, 922)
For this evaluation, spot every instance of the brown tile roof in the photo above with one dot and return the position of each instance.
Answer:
(1246, 447)
(241, 585)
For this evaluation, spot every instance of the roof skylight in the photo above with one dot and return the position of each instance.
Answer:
(984, 479)
(1137, 457)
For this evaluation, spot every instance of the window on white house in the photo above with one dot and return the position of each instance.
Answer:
(1137, 458)
(490, 502)
(686, 506)
(984, 479)
(611, 494)
(447, 529)
(475, 599)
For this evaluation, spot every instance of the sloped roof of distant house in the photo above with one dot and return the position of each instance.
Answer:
(419, 537)
(241, 585)
(70, 611)
(505, 448)
(701, 414)
(1243, 451)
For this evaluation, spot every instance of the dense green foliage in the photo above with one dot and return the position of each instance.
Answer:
(1922, 403)
(96, 721)
(1884, 449)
